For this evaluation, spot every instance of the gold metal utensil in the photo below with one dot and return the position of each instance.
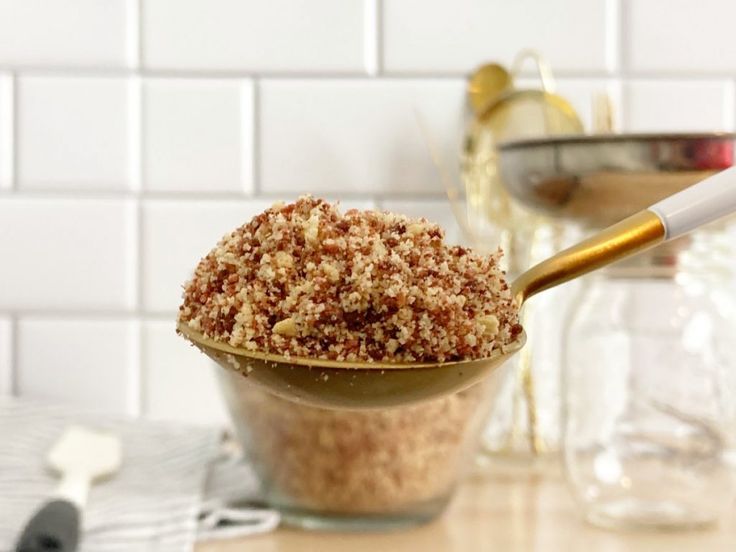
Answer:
(333, 384)
(598, 180)
(486, 84)
(512, 114)
(355, 385)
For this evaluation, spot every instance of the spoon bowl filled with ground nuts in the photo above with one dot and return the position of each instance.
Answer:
(367, 310)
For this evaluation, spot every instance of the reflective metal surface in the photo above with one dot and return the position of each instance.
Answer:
(628, 237)
(485, 85)
(351, 385)
(598, 180)
(357, 385)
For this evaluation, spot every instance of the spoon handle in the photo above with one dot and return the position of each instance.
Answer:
(704, 202)
(701, 203)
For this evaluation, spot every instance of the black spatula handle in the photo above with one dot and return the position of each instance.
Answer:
(54, 528)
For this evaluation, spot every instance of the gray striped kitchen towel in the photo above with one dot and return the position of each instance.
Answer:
(157, 502)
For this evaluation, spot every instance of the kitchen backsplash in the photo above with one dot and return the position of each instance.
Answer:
(134, 133)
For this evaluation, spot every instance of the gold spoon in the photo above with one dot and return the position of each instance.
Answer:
(337, 384)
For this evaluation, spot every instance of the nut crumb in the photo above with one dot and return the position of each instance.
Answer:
(285, 327)
(490, 324)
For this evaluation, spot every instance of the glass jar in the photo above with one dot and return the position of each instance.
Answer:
(524, 425)
(524, 428)
(649, 387)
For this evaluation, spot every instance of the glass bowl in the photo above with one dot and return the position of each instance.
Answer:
(343, 469)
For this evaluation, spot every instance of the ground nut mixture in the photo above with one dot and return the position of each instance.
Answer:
(359, 462)
(306, 280)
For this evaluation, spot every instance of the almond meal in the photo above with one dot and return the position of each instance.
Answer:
(304, 279)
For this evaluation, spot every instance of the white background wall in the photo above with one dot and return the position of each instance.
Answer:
(133, 133)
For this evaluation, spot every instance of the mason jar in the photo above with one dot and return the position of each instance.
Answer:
(649, 387)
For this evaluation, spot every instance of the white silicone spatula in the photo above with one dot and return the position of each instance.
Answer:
(80, 457)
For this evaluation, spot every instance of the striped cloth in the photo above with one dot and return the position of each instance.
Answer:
(155, 502)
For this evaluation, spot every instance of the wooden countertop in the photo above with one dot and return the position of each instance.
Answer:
(508, 513)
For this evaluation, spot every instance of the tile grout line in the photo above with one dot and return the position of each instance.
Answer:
(135, 145)
(623, 66)
(98, 314)
(11, 133)
(106, 72)
(623, 45)
(372, 37)
(125, 71)
(6, 132)
(14, 375)
(382, 76)
(133, 34)
(135, 274)
(614, 36)
(135, 134)
(255, 141)
(380, 37)
(136, 389)
(733, 106)
(729, 107)
(189, 197)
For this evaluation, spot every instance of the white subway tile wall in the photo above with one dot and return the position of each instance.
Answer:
(436, 36)
(658, 105)
(77, 33)
(66, 254)
(680, 36)
(89, 361)
(208, 123)
(253, 35)
(72, 133)
(175, 235)
(135, 133)
(178, 384)
(360, 133)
